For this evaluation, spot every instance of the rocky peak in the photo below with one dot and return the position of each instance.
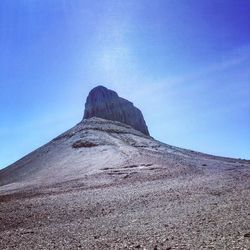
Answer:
(105, 103)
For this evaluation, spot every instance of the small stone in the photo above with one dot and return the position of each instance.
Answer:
(247, 235)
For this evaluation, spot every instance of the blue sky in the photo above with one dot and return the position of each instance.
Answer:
(185, 64)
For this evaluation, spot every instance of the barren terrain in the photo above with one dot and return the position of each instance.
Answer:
(104, 185)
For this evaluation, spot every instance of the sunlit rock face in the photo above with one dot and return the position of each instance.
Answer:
(105, 103)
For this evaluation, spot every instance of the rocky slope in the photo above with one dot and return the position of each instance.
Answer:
(90, 148)
(105, 185)
(84, 149)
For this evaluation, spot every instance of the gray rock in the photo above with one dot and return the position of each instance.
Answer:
(105, 103)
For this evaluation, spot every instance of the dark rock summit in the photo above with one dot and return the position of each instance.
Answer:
(105, 103)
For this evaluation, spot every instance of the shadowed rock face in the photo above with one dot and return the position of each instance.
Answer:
(105, 103)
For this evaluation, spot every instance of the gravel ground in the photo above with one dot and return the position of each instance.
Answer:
(123, 191)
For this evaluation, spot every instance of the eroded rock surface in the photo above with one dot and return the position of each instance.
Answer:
(105, 103)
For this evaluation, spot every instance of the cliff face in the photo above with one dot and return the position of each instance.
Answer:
(104, 103)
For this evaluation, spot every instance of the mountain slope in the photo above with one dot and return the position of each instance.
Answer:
(104, 185)
(88, 148)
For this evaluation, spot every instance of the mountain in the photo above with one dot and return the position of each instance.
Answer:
(85, 149)
(104, 184)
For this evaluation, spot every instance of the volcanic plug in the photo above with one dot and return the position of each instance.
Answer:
(105, 103)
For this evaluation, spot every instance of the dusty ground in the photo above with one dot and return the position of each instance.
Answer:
(98, 187)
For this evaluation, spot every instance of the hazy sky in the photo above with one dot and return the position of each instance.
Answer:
(184, 63)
